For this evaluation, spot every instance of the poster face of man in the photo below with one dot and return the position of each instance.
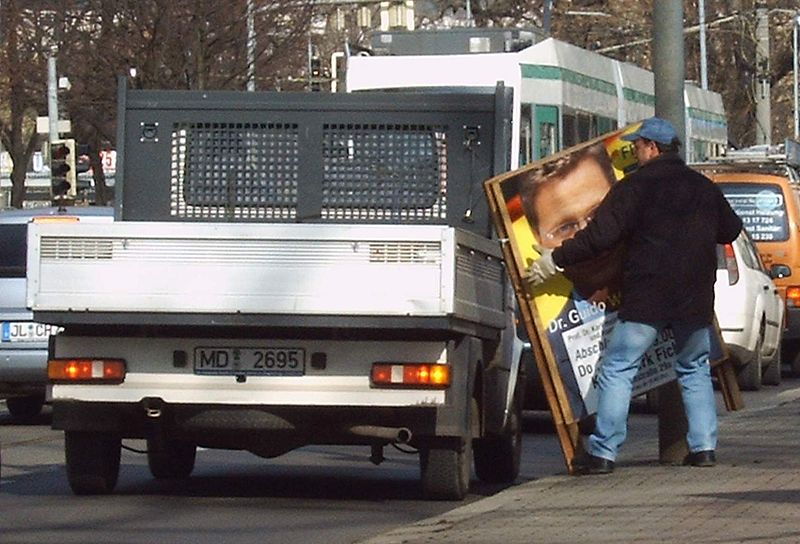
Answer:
(562, 201)
(544, 204)
(565, 206)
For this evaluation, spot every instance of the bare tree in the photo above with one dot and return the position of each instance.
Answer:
(202, 44)
(731, 46)
(22, 86)
(170, 44)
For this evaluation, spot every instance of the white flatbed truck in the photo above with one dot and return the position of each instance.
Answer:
(288, 269)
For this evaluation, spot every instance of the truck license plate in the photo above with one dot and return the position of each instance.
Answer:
(26, 331)
(266, 361)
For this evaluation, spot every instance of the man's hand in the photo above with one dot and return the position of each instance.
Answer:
(542, 269)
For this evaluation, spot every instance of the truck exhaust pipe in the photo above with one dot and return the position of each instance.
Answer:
(397, 435)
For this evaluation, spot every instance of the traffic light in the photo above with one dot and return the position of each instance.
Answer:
(62, 168)
(315, 69)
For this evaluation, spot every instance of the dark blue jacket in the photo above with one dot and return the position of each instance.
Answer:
(670, 219)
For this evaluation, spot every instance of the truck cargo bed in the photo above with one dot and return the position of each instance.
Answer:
(228, 269)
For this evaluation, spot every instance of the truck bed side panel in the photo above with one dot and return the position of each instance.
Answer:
(409, 270)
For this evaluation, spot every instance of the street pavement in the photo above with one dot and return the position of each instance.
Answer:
(751, 495)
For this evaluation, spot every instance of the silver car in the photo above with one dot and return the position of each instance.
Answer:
(23, 342)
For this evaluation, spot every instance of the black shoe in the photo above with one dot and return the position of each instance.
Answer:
(705, 458)
(587, 463)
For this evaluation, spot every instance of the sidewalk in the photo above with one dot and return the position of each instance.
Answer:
(752, 495)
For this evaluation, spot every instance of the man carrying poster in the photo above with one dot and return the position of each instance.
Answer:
(670, 219)
(579, 308)
(559, 198)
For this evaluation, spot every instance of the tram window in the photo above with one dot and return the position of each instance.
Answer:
(585, 127)
(546, 131)
(570, 130)
(605, 124)
(525, 135)
(699, 151)
(547, 139)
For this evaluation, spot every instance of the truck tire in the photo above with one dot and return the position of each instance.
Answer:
(92, 461)
(173, 460)
(25, 407)
(445, 472)
(497, 458)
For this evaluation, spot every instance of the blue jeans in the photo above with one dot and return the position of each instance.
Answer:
(628, 342)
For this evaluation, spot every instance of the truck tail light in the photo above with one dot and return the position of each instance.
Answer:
(411, 375)
(86, 370)
(793, 296)
(56, 219)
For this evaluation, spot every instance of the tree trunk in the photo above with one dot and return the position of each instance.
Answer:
(18, 183)
(101, 193)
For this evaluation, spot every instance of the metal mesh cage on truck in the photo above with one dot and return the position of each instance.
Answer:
(374, 157)
(234, 170)
(369, 171)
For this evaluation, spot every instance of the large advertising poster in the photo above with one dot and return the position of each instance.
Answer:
(569, 317)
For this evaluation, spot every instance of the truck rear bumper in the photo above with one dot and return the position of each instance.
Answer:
(250, 427)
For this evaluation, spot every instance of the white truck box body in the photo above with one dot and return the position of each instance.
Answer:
(401, 270)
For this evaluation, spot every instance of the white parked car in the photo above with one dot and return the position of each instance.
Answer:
(23, 342)
(750, 313)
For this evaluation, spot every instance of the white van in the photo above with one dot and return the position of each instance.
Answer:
(23, 342)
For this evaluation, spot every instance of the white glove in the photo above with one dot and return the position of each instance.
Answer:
(542, 269)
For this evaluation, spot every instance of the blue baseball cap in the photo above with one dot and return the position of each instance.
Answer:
(653, 128)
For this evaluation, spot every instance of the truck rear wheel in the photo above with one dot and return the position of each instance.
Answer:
(92, 461)
(173, 459)
(446, 472)
(497, 458)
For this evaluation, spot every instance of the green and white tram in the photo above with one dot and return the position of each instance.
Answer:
(563, 94)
